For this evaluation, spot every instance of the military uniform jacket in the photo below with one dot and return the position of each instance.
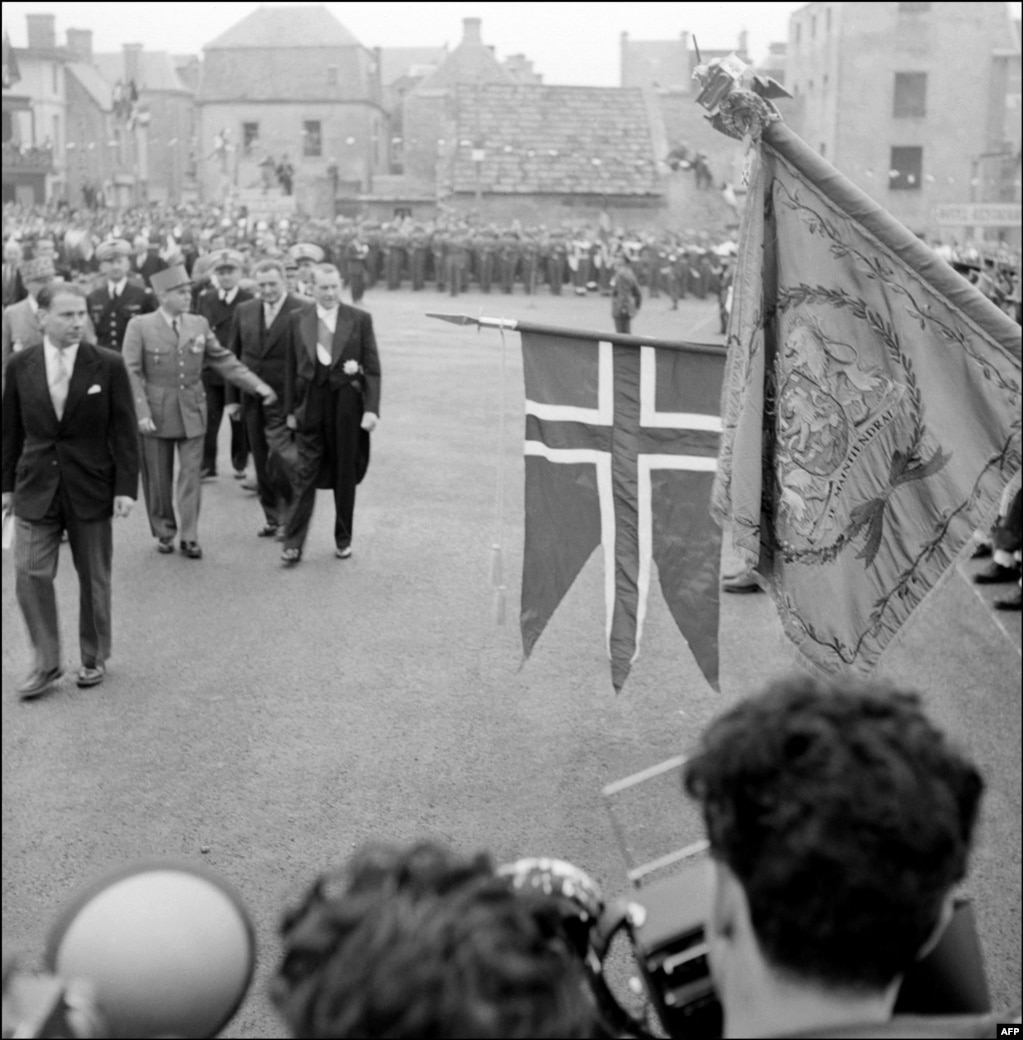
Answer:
(166, 371)
(220, 314)
(110, 317)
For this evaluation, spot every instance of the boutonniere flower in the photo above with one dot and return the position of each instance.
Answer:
(198, 344)
(352, 368)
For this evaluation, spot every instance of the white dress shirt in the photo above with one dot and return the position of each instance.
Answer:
(116, 288)
(228, 295)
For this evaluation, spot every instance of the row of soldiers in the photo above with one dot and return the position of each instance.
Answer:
(445, 253)
(493, 260)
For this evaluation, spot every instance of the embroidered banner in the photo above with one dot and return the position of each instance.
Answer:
(871, 409)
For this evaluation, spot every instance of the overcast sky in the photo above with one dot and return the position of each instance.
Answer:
(575, 43)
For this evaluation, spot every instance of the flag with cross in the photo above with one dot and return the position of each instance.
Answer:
(621, 449)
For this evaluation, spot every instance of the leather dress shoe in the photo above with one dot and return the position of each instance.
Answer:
(192, 550)
(1014, 602)
(981, 551)
(343, 553)
(251, 486)
(291, 557)
(37, 683)
(995, 574)
(165, 545)
(90, 675)
(268, 530)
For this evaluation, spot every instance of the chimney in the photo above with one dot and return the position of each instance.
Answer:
(42, 32)
(133, 63)
(79, 41)
(472, 30)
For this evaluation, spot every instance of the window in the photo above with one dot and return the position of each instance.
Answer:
(905, 170)
(312, 138)
(331, 75)
(823, 149)
(827, 20)
(910, 94)
(56, 79)
(824, 82)
(799, 33)
(813, 27)
(250, 136)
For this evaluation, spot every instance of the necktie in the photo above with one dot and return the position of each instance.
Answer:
(176, 326)
(223, 296)
(59, 386)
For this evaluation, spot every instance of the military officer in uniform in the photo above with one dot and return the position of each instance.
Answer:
(117, 300)
(307, 255)
(217, 306)
(22, 327)
(165, 353)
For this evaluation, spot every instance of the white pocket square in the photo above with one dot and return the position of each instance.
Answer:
(95, 388)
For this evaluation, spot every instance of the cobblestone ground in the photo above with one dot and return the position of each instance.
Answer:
(266, 721)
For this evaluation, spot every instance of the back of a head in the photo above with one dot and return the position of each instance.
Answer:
(419, 942)
(846, 817)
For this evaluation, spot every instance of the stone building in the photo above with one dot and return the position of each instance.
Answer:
(291, 83)
(702, 160)
(155, 125)
(550, 154)
(91, 160)
(34, 117)
(916, 103)
(487, 138)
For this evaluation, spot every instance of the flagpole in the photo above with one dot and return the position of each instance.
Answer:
(617, 338)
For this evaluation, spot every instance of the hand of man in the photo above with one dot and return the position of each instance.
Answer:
(233, 411)
(147, 426)
(122, 505)
(291, 422)
(369, 421)
(269, 397)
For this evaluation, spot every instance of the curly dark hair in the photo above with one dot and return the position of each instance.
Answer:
(418, 942)
(847, 818)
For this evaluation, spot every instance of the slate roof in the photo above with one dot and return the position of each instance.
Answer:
(469, 62)
(270, 27)
(156, 70)
(93, 83)
(554, 140)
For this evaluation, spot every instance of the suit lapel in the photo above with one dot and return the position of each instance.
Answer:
(86, 365)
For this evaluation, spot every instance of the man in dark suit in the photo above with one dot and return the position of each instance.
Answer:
(13, 288)
(146, 260)
(70, 462)
(332, 400)
(259, 339)
(117, 300)
(217, 306)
